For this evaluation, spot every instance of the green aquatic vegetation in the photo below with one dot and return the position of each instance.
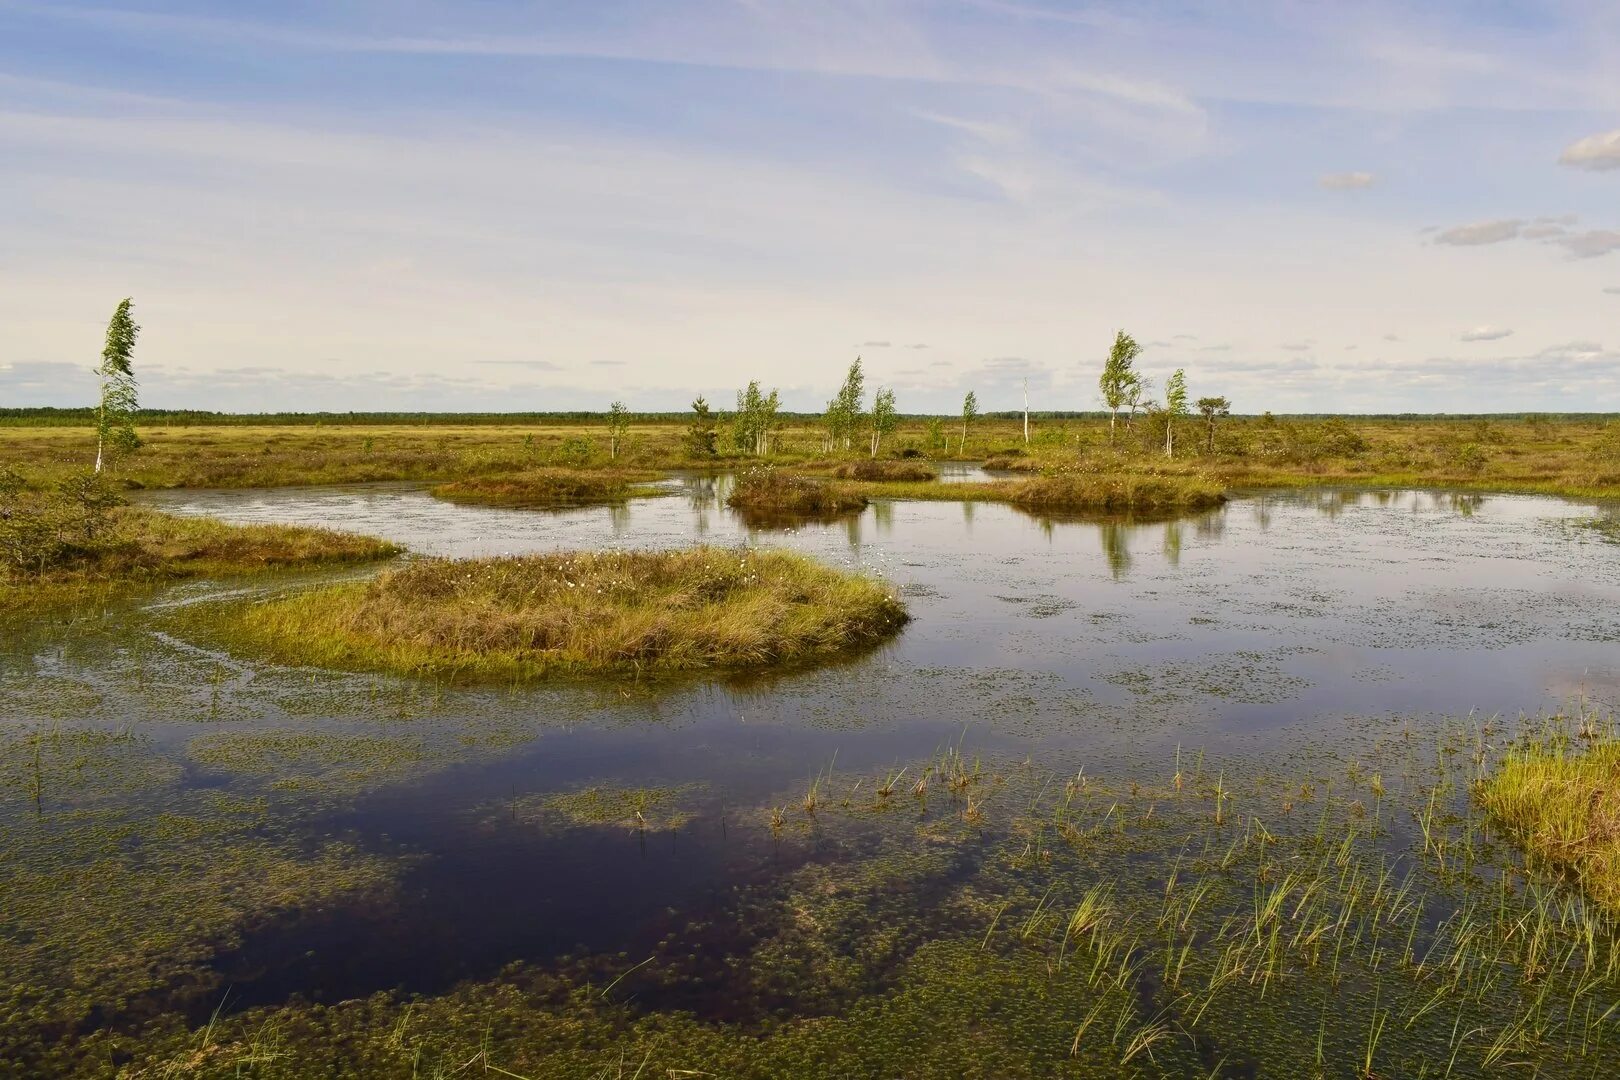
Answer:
(627, 613)
(1245, 676)
(310, 760)
(638, 809)
(105, 911)
(546, 488)
(1094, 926)
(1604, 527)
(53, 767)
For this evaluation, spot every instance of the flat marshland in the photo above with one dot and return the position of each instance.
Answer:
(1254, 775)
(1574, 456)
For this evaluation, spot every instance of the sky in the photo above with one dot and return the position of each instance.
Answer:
(493, 205)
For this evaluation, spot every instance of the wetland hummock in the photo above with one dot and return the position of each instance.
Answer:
(582, 613)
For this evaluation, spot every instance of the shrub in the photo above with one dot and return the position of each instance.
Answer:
(574, 451)
(1470, 458)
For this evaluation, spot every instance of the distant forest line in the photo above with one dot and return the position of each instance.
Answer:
(82, 417)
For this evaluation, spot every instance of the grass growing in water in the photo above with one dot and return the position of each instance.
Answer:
(622, 613)
(549, 487)
(1562, 805)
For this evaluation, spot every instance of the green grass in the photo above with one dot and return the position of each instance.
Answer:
(576, 614)
(545, 488)
(1561, 803)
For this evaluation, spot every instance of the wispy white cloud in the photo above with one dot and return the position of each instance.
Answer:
(1591, 244)
(1347, 181)
(1595, 152)
(1542, 231)
(1485, 333)
(1483, 232)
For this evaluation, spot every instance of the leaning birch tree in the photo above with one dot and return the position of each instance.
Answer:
(115, 415)
(1119, 381)
(970, 412)
(1175, 407)
(884, 418)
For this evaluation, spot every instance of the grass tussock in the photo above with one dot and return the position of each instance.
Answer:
(81, 541)
(1562, 805)
(766, 490)
(881, 471)
(546, 487)
(1115, 492)
(1013, 462)
(613, 613)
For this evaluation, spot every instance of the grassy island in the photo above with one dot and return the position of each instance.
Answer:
(80, 542)
(1066, 492)
(883, 471)
(545, 488)
(1562, 805)
(578, 614)
(768, 491)
(1115, 492)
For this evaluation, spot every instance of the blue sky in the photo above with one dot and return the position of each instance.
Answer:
(488, 205)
